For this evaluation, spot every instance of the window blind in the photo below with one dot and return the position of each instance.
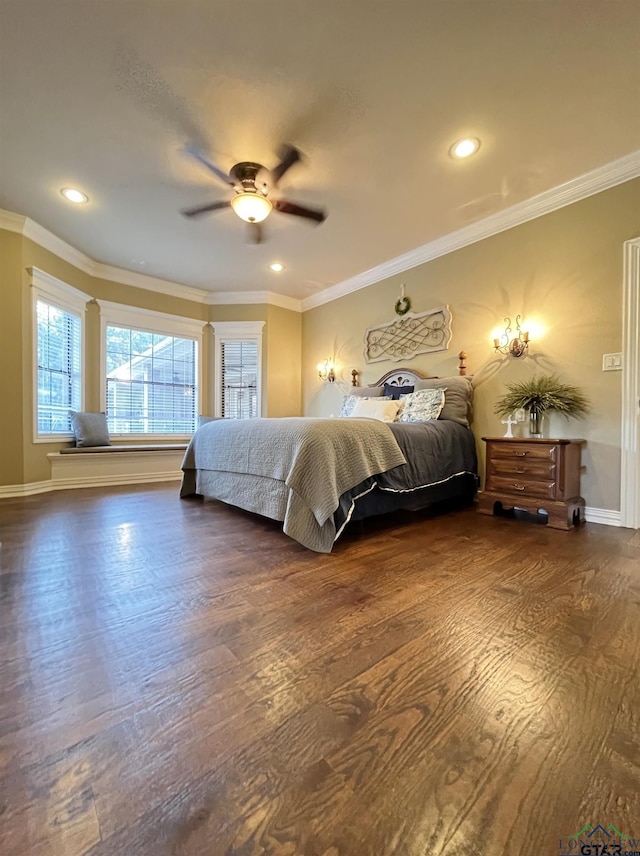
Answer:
(239, 369)
(59, 367)
(151, 382)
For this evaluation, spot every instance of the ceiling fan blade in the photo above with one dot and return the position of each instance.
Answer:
(203, 209)
(195, 152)
(255, 235)
(285, 207)
(288, 156)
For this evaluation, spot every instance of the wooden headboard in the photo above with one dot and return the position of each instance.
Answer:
(407, 377)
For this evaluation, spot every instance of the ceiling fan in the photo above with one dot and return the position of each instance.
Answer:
(251, 184)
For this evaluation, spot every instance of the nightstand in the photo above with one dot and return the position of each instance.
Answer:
(534, 475)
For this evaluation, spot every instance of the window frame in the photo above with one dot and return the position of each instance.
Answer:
(149, 321)
(236, 331)
(59, 294)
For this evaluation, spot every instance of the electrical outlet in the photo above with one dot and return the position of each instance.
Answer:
(611, 362)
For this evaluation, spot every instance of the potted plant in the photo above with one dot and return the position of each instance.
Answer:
(539, 395)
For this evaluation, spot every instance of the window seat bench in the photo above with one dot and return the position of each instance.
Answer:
(93, 450)
(98, 466)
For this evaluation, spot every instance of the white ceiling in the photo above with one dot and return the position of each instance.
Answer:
(103, 95)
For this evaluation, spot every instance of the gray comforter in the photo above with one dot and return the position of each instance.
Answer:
(317, 459)
(441, 465)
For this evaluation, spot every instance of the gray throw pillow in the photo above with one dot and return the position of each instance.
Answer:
(458, 397)
(90, 429)
(202, 420)
(366, 391)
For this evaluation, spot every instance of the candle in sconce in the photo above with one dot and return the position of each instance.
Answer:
(525, 337)
(496, 343)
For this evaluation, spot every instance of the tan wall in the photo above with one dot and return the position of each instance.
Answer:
(11, 364)
(21, 460)
(563, 271)
(284, 346)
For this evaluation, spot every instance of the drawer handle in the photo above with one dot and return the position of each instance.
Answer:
(520, 454)
(520, 487)
(520, 472)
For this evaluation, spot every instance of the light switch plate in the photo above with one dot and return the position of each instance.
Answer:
(611, 362)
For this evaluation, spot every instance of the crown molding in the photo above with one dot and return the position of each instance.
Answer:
(150, 283)
(48, 241)
(228, 298)
(151, 318)
(11, 222)
(595, 181)
(44, 238)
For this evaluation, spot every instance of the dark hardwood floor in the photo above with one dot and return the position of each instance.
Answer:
(179, 677)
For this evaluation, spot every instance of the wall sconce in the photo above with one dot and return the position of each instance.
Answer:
(325, 371)
(515, 346)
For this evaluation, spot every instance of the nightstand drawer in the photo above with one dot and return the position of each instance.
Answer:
(522, 451)
(534, 475)
(536, 469)
(522, 487)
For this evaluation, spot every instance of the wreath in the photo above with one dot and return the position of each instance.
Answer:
(402, 306)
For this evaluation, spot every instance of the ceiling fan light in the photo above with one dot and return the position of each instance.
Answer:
(251, 207)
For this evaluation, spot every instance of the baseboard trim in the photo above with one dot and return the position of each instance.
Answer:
(112, 481)
(16, 490)
(13, 490)
(603, 515)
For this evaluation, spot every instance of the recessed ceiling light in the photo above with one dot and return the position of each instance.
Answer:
(276, 266)
(74, 195)
(465, 148)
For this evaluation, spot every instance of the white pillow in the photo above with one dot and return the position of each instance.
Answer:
(421, 406)
(374, 408)
(349, 402)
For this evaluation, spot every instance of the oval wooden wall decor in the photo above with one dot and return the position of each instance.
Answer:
(408, 336)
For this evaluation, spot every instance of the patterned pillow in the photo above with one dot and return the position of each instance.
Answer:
(421, 406)
(459, 400)
(349, 402)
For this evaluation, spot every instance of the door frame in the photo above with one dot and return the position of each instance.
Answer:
(630, 444)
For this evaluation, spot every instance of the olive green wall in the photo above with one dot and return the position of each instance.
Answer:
(284, 374)
(11, 363)
(562, 271)
(24, 462)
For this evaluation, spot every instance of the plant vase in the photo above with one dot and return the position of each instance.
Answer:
(540, 396)
(536, 421)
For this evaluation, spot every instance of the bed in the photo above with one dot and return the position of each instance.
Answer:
(316, 475)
